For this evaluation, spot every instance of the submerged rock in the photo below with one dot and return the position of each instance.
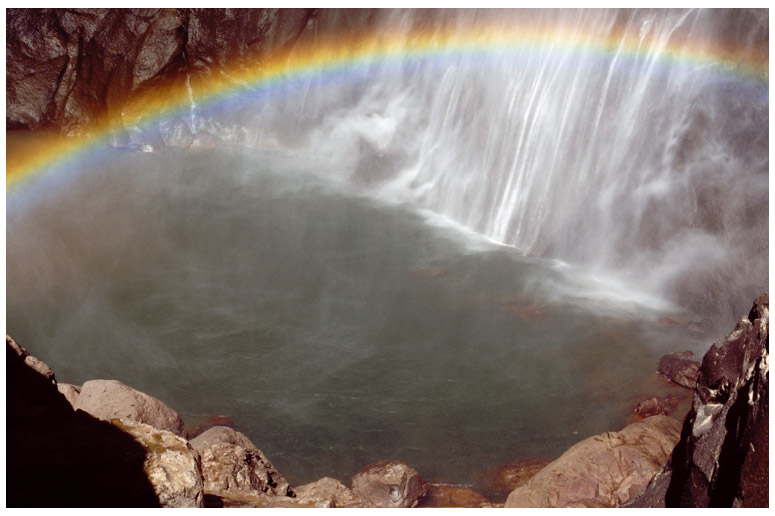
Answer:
(506, 478)
(444, 496)
(605, 470)
(111, 399)
(681, 367)
(722, 459)
(390, 484)
(171, 464)
(655, 406)
(231, 464)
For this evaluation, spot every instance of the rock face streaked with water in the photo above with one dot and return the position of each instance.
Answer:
(722, 459)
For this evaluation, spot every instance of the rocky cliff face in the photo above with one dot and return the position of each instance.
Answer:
(722, 459)
(67, 69)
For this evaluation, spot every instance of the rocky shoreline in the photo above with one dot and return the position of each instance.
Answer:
(106, 444)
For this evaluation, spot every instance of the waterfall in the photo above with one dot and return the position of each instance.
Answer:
(627, 142)
(645, 167)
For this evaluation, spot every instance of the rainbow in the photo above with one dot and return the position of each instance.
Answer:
(266, 76)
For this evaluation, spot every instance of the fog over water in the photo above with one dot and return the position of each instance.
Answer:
(452, 260)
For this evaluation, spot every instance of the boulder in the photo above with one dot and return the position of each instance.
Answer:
(605, 470)
(722, 459)
(232, 464)
(171, 464)
(681, 367)
(69, 391)
(389, 483)
(444, 495)
(327, 492)
(111, 399)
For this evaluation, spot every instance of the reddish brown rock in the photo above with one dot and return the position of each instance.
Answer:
(681, 367)
(390, 484)
(111, 399)
(231, 465)
(605, 470)
(654, 407)
(506, 478)
(443, 496)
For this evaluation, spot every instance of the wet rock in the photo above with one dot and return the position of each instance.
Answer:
(327, 492)
(111, 399)
(655, 406)
(681, 367)
(722, 459)
(70, 392)
(67, 69)
(389, 483)
(443, 495)
(231, 464)
(171, 464)
(605, 470)
(506, 478)
(60, 458)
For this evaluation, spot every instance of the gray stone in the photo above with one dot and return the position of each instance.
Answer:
(390, 484)
(111, 399)
(328, 492)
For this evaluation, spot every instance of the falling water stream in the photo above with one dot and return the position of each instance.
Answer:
(451, 260)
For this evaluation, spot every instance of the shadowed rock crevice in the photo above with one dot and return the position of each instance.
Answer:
(57, 457)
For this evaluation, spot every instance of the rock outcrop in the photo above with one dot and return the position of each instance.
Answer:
(171, 465)
(722, 459)
(231, 465)
(681, 367)
(111, 399)
(389, 484)
(605, 470)
(69, 69)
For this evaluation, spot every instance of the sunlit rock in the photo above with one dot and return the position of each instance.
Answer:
(605, 470)
(69, 391)
(232, 464)
(111, 399)
(390, 484)
(327, 492)
(171, 464)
